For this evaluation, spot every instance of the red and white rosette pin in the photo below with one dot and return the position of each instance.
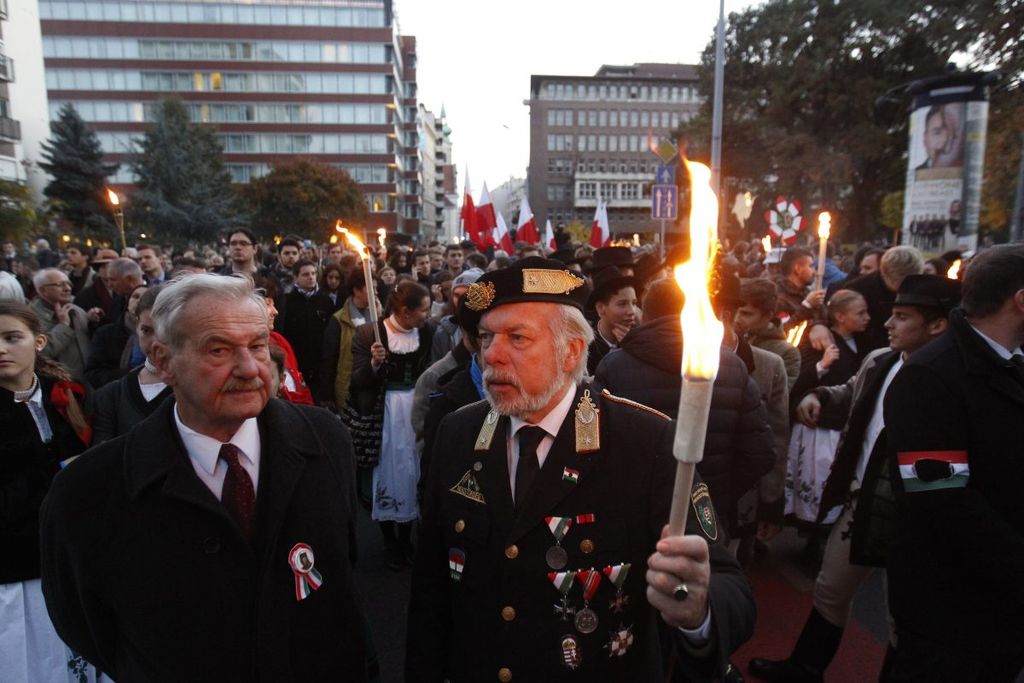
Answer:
(307, 578)
(784, 219)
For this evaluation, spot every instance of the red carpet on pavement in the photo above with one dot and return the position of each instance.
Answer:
(781, 611)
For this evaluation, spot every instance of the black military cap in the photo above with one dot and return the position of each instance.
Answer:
(929, 291)
(529, 279)
(608, 281)
(606, 257)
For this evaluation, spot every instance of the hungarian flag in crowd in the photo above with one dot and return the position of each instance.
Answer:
(470, 224)
(501, 237)
(486, 221)
(549, 236)
(600, 230)
(526, 230)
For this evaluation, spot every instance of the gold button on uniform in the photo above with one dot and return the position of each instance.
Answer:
(508, 613)
(504, 674)
(459, 526)
(511, 552)
(587, 546)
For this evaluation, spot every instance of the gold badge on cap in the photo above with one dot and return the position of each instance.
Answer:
(486, 435)
(542, 281)
(479, 296)
(588, 425)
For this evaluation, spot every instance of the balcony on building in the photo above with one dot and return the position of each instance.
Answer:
(10, 129)
(3, 9)
(6, 67)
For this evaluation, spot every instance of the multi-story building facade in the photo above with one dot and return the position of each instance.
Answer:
(327, 79)
(10, 128)
(589, 139)
(437, 177)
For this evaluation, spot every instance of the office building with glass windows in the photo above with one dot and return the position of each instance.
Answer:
(589, 139)
(327, 79)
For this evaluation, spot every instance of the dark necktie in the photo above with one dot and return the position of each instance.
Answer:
(238, 496)
(527, 468)
(1018, 360)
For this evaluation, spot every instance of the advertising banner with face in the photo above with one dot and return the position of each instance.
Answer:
(945, 164)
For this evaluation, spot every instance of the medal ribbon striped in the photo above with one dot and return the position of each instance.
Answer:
(562, 581)
(306, 583)
(590, 579)
(617, 574)
(585, 519)
(559, 527)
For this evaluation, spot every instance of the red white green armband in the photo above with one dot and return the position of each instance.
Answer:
(933, 470)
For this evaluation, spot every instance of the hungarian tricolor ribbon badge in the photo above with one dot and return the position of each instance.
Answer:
(307, 577)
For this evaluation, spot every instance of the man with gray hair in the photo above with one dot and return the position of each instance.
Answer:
(214, 541)
(124, 275)
(65, 325)
(541, 499)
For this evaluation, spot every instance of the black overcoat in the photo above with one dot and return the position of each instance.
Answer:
(499, 613)
(147, 576)
(957, 562)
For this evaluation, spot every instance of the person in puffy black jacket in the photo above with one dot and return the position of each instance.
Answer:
(738, 448)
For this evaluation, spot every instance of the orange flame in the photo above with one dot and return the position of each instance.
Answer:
(340, 228)
(702, 331)
(766, 244)
(796, 334)
(381, 235)
(357, 244)
(824, 225)
(954, 270)
(112, 196)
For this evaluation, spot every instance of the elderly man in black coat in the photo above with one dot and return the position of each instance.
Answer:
(953, 418)
(543, 554)
(738, 448)
(214, 541)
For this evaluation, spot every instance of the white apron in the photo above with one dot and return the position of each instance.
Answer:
(395, 477)
(811, 452)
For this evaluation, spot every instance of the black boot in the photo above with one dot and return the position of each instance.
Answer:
(812, 654)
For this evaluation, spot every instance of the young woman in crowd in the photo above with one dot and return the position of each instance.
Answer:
(811, 450)
(43, 426)
(332, 281)
(121, 405)
(389, 369)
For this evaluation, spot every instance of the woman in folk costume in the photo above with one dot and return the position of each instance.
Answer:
(391, 367)
(812, 449)
(43, 426)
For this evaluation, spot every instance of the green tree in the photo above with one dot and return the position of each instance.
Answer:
(74, 159)
(184, 191)
(17, 215)
(304, 197)
(801, 81)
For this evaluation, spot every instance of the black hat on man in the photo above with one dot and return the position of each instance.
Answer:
(606, 257)
(529, 279)
(929, 291)
(609, 281)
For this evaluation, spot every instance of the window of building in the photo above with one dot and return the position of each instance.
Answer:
(645, 119)
(587, 190)
(608, 191)
(613, 118)
(602, 118)
(592, 118)
(634, 119)
(628, 191)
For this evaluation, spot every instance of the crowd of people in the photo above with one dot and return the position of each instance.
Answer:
(505, 420)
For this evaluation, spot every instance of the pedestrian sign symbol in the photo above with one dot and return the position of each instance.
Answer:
(664, 202)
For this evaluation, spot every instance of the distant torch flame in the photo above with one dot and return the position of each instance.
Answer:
(766, 244)
(114, 199)
(796, 334)
(824, 225)
(340, 228)
(702, 331)
(954, 270)
(381, 235)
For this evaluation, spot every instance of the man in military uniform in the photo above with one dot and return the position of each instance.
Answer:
(540, 557)
(953, 420)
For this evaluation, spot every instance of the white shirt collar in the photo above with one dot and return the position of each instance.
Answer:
(551, 422)
(205, 450)
(1001, 351)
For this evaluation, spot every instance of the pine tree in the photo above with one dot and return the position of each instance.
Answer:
(74, 159)
(183, 188)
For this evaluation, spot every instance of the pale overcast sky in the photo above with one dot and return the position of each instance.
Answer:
(476, 59)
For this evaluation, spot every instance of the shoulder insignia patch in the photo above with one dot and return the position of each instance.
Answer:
(469, 488)
(486, 435)
(705, 511)
(588, 425)
(639, 406)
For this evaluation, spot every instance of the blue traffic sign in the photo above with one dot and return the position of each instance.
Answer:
(664, 202)
(665, 175)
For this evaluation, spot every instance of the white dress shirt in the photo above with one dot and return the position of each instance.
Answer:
(550, 423)
(204, 453)
(1001, 351)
